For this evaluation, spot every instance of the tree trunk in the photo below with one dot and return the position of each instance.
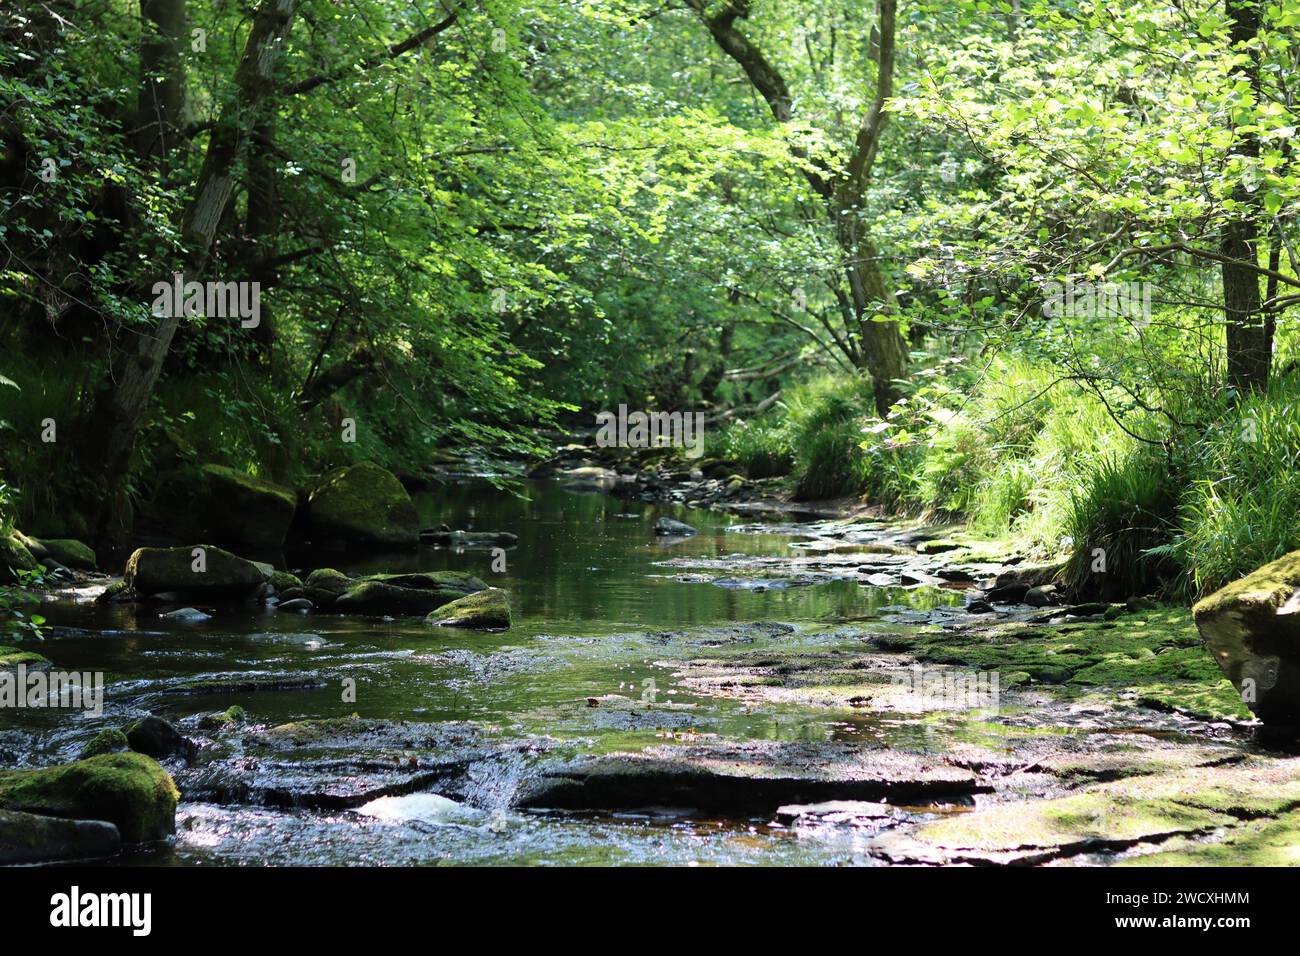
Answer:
(120, 411)
(161, 102)
(1249, 335)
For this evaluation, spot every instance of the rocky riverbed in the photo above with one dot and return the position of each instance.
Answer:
(833, 690)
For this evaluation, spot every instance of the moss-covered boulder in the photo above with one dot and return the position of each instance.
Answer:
(284, 581)
(11, 657)
(68, 552)
(1252, 629)
(378, 597)
(229, 717)
(14, 556)
(245, 510)
(483, 610)
(29, 838)
(129, 790)
(213, 573)
(363, 504)
(108, 741)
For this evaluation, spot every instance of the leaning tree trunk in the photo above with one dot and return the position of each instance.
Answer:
(121, 410)
(1249, 334)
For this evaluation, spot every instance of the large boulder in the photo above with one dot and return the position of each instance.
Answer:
(220, 574)
(245, 510)
(1252, 627)
(129, 790)
(363, 504)
(484, 611)
(15, 556)
(28, 838)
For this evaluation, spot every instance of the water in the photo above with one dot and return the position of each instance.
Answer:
(594, 616)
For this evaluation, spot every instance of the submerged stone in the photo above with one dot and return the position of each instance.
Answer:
(129, 790)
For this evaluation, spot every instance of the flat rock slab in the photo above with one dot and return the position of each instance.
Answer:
(31, 838)
(741, 777)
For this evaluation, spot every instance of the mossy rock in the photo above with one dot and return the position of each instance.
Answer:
(155, 570)
(378, 597)
(69, 552)
(15, 556)
(107, 741)
(114, 592)
(1252, 630)
(327, 579)
(283, 581)
(432, 580)
(247, 510)
(483, 610)
(364, 504)
(227, 718)
(129, 790)
(156, 738)
(11, 657)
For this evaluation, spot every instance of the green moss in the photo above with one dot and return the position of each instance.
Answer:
(1254, 843)
(128, 790)
(1157, 655)
(487, 610)
(11, 657)
(376, 597)
(327, 579)
(14, 556)
(227, 718)
(431, 580)
(67, 551)
(107, 741)
(282, 581)
(364, 504)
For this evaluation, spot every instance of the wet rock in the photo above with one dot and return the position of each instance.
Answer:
(879, 579)
(109, 741)
(227, 718)
(29, 838)
(186, 615)
(363, 504)
(673, 527)
(1041, 830)
(244, 510)
(914, 578)
(1007, 594)
(283, 581)
(1028, 575)
(296, 604)
(979, 606)
(1252, 629)
(1043, 596)
(129, 790)
(156, 738)
(222, 575)
(741, 777)
(485, 610)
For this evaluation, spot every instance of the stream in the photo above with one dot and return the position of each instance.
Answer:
(592, 665)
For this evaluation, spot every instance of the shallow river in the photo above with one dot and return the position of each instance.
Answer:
(594, 616)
